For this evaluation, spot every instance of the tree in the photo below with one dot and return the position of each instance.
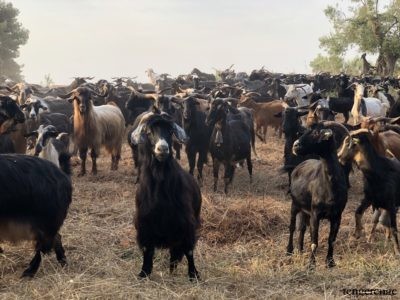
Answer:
(12, 36)
(335, 64)
(370, 27)
(48, 81)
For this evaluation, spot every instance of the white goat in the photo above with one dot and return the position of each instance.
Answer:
(373, 106)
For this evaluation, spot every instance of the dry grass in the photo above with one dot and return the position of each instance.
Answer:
(240, 253)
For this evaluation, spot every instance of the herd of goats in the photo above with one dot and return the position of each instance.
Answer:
(220, 115)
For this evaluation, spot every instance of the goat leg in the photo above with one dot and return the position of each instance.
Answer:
(334, 229)
(83, 156)
(302, 226)
(59, 250)
(147, 267)
(176, 255)
(216, 165)
(292, 227)
(93, 154)
(365, 203)
(375, 220)
(33, 265)
(314, 226)
(193, 273)
(395, 238)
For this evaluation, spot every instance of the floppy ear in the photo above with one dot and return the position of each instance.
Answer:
(137, 136)
(302, 113)
(53, 133)
(33, 133)
(180, 134)
(42, 107)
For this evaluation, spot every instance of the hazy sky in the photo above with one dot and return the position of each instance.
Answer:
(106, 38)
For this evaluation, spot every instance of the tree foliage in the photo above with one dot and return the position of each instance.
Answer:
(369, 26)
(335, 64)
(12, 36)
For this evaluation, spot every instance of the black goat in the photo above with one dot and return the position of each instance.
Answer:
(292, 130)
(168, 200)
(381, 179)
(318, 189)
(35, 200)
(230, 141)
(10, 116)
(171, 106)
(194, 123)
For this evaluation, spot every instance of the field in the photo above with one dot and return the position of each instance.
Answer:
(240, 253)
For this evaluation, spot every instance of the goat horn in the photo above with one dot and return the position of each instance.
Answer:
(252, 93)
(358, 131)
(163, 90)
(67, 95)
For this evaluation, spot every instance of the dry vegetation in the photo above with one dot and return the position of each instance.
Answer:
(240, 254)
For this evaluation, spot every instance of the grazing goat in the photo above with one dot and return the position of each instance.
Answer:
(264, 116)
(168, 200)
(96, 126)
(318, 189)
(381, 180)
(230, 141)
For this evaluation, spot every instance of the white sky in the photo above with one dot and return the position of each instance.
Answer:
(106, 38)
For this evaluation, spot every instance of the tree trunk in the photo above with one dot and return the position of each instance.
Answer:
(380, 65)
(390, 63)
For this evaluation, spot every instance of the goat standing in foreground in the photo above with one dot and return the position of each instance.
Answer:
(35, 196)
(382, 180)
(96, 126)
(318, 189)
(168, 199)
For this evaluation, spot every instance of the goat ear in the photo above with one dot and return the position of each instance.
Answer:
(302, 113)
(325, 134)
(43, 107)
(180, 134)
(137, 135)
(33, 133)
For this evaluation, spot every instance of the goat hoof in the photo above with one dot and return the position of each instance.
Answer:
(330, 263)
(143, 274)
(28, 274)
(194, 276)
(357, 234)
(63, 261)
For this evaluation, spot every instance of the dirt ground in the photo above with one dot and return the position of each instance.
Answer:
(240, 253)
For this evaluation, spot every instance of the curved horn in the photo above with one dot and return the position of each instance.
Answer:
(67, 95)
(163, 90)
(252, 93)
(358, 131)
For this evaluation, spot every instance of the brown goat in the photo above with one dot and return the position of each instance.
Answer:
(264, 115)
(386, 143)
(96, 126)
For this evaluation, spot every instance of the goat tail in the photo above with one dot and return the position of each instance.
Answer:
(65, 163)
